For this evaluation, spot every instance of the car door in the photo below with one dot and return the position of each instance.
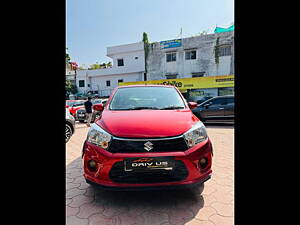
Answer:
(229, 108)
(215, 109)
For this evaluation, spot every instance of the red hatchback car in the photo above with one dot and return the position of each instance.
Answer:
(74, 105)
(147, 138)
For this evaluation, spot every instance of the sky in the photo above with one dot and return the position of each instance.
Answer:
(94, 25)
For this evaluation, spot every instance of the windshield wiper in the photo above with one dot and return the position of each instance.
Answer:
(173, 107)
(142, 107)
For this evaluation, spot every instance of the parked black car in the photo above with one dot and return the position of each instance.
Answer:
(216, 109)
(204, 99)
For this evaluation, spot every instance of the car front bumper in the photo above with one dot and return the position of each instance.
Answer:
(106, 161)
(78, 117)
(151, 188)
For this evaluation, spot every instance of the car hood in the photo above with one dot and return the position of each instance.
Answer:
(147, 123)
(79, 107)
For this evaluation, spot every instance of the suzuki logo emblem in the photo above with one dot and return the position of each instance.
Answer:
(148, 146)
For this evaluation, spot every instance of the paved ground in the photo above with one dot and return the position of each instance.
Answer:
(87, 206)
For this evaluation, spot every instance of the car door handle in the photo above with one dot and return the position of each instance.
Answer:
(221, 108)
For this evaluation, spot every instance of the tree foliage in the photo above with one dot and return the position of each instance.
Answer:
(68, 58)
(217, 51)
(146, 48)
(70, 87)
(94, 66)
(100, 66)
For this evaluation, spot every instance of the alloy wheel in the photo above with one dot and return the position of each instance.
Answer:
(68, 133)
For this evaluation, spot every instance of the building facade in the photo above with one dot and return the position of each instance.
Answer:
(190, 63)
(191, 57)
(70, 73)
(128, 66)
(194, 57)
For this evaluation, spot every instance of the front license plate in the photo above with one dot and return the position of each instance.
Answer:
(81, 115)
(149, 163)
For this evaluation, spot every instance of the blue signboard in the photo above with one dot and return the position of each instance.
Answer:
(170, 44)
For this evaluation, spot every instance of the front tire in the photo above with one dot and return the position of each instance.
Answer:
(198, 189)
(69, 132)
(81, 121)
(93, 185)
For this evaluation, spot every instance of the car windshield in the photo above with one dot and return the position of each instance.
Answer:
(96, 101)
(70, 103)
(75, 104)
(79, 103)
(138, 98)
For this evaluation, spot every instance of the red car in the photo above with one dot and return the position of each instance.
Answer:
(74, 105)
(147, 138)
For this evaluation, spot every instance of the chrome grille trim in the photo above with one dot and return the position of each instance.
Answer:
(146, 139)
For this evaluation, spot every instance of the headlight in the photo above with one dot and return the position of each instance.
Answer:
(98, 136)
(195, 135)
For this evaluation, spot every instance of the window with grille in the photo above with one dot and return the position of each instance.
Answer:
(190, 55)
(171, 76)
(120, 62)
(198, 74)
(171, 57)
(81, 83)
(225, 50)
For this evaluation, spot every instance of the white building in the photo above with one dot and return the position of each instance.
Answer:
(193, 57)
(128, 66)
(70, 74)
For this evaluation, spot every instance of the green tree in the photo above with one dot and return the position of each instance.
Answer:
(146, 48)
(217, 51)
(95, 66)
(70, 87)
(68, 58)
(100, 66)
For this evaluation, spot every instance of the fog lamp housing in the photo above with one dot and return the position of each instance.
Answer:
(203, 162)
(92, 165)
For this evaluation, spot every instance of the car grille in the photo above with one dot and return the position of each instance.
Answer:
(119, 175)
(124, 145)
(80, 112)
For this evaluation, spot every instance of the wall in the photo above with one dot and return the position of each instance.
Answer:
(128, 53)
(99, 83)
(133, 69)
(204, 62)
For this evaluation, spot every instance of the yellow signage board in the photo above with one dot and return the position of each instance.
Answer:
(191, 83)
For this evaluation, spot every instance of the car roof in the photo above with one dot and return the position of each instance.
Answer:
(216, 97)
(146, 85)
(223, 96)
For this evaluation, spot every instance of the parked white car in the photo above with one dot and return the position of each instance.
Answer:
(70, 125)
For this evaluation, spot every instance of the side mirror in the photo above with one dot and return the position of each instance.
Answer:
(98, 107)
(67, 106)
(192, 105)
